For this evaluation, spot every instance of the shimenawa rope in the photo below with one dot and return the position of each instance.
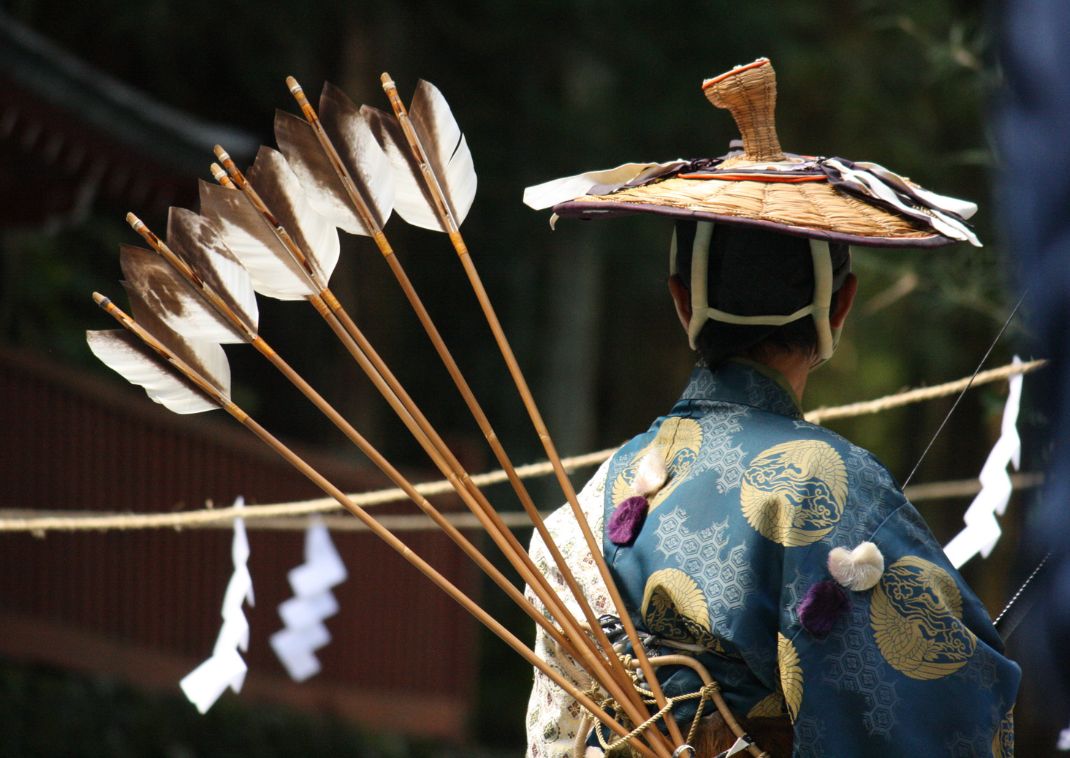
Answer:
(32, 521)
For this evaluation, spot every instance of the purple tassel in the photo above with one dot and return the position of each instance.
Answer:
(822, 605)
(627, 520)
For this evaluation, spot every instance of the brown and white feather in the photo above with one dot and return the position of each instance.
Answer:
(446, 148)
(298, 142)
(279, 188)
(364, 159)
(139, 364)
(412, 198)
(273, 271)
(197, 241)
(167, 295)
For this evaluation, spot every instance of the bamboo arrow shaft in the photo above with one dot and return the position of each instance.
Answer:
(408, 413)
(363, 210)
(436, 578)
(373, 525)
(214, 300)
(618, 683)
(423, 431)
(453, 230)
(384, 465)
(581, 646)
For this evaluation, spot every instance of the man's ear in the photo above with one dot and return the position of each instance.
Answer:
(844, 301)
(681, 298)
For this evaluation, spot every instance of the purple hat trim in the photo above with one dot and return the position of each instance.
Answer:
(604, 208)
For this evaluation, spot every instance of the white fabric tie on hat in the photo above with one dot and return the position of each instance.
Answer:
(982, 530)
(548, 194)
(225, 668)
(701, 311)
(302, 615)
(875, 181)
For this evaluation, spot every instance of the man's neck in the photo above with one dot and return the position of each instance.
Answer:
(795, 369)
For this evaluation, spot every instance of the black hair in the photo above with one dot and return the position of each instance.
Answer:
(756, 272)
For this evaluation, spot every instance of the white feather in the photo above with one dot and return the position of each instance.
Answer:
(315, 172)
(197, 240)
(858, 569)
(651, 474)
(351, 134)
(273, 271)
(447, 152)
(364, 161)
(123, 352)
(371, 164)
(411, 200)
(277, 185)
(174, 301)
(440, 134)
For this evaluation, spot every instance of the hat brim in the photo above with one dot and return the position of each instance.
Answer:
(812, 209)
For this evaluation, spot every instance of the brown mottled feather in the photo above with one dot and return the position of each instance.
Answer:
(297, 141)
(412, 198)
(278, 187)
(245, 232)
(197, 241)
(167, 295)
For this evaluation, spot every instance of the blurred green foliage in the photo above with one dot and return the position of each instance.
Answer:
(51, 713)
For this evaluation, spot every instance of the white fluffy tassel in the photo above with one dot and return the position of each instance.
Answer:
(651, 474)
(857, 569)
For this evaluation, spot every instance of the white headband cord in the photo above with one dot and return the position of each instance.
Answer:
(701, 312)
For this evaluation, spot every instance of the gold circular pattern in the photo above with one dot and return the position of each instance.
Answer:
(791, 675)
(679, 440)
(674, 607)
(794, 493)
(916, 615)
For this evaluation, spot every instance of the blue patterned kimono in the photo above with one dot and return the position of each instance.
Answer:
(755, 500)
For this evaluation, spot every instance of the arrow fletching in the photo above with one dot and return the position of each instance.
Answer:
(364, 159)
(447, 153)
(197, 241)
(279, 188)
(273, 270)
(165, 293)
(127, 355)
(360, 154)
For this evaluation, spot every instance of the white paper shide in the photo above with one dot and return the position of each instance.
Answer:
(303, 631)
(982, 530)
(226, 668)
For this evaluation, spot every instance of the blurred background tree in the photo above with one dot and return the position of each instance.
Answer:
(544, 90)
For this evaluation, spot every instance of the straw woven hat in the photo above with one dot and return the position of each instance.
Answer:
(760, 185)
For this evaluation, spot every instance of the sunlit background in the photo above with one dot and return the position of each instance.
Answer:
(112, 106)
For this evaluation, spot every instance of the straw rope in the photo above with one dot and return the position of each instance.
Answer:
(921, 393)
(287, 517)
(281, 515)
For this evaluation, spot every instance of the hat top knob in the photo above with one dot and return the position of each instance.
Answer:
(748, 92)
